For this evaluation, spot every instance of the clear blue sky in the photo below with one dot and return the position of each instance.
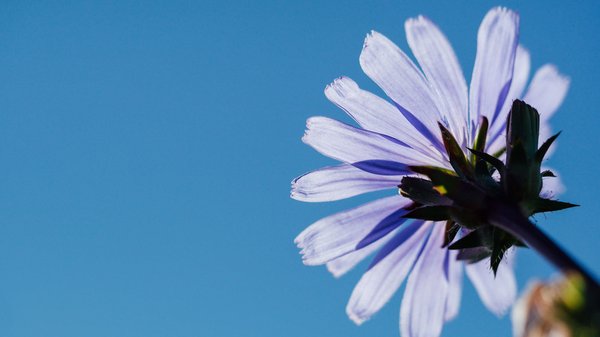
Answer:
(146, 151)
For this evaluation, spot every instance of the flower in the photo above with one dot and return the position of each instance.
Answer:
(396, 134)
(566, 307)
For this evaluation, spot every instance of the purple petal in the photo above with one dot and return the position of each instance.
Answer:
(385, 226)
(493, 71)
(522, 68)
(343, 264)
(351, 145)
(400, 79)
(547, 91)
(382, 167)
(454, 271)
(440, 65)
(395, 242)
(375, 114)
(339, 182)
(424, 303)
(338, 234)
(379, 283)
(497, 293)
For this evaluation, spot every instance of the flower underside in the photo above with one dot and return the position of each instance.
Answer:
(481, 183)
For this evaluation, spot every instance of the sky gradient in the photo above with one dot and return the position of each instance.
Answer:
(147, 150)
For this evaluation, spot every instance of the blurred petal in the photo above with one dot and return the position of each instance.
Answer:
(547, 91)
(338, 234)
(440, 65)
(497, 41)
(545, 133)
(400, 79)
(351, 145)
(497, 293)
(380, 282)
(376, 114)
(339, 182)
(423, 306)
(454, 275)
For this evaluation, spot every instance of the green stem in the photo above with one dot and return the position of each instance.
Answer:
(510, 219)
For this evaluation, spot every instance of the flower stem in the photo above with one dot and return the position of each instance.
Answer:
(510, 219)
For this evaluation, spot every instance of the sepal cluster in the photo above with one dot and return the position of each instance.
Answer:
(464, 196)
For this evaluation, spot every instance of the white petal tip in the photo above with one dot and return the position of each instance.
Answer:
(296, 195)
(298, 241)
(508, 16)
(355, 318)
(416, 21)
(500, 312)
(553, 69)
(335, 272)
(370, 36)
(501, 10)
(340, 87)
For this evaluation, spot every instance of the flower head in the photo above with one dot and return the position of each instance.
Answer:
(395, 136)
(567, 307)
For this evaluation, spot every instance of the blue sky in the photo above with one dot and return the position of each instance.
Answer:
(146, 152)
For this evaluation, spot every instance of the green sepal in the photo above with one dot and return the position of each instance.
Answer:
(471, 218)
(483, 176)
(480, 138)
(462, 192)
(421, 191)
(500, 152)
(523, 126)
(431, 213)
(432, 171)
(455, 153)
(540, 205)
(502, 242)
(520, 243)
(473, 255)
(541, 152)
(451, 230)
(481, 237)
(495, 162)
(522, 179)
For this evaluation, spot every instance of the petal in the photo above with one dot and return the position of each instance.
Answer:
(493, 71)
(381, 281)
(517, 86)
(400, 79)
(440, 65)
(523, 315)
(351, 145)
(338, 234)
(545, 133)
(547, 91)
(454, 275)
(520, 77)
(343, 264)
(373, 113)
(423, 306)
(497, 293)
(339, 182)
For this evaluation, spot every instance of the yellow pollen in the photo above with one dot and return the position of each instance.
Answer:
(440, 189)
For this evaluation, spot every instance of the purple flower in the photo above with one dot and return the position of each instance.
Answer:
(403, 131)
